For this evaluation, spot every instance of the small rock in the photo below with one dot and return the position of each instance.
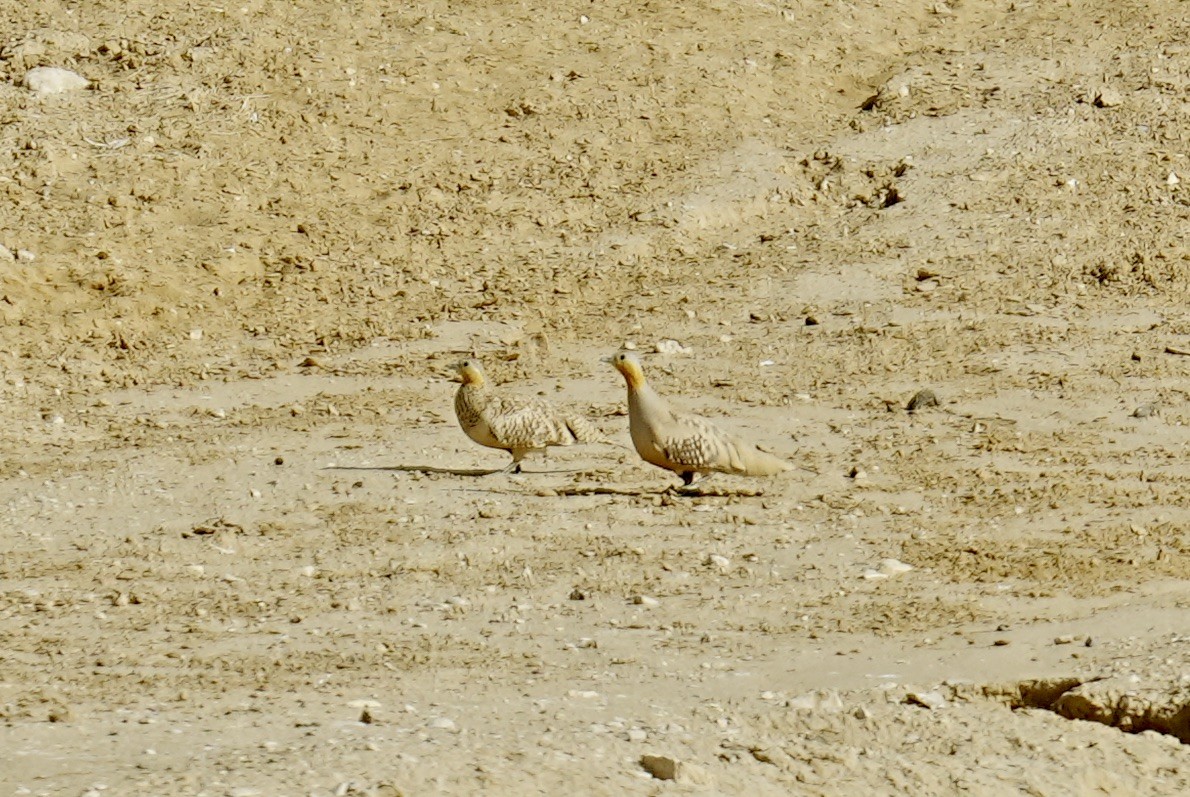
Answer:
(666, 768)
(1144, 411)
(828, 701)
(922, 399)
(1172, 179)
(6, 255)
(577, 594)
(719, 561)
(1108, 98)
(892, 567)
(46, 80)
(60, 714)
(669, 346)
(930, 700)
(442, 724)
(645, 600)
(637, 735)
(585, 694)
(25, 256)
(660, 767)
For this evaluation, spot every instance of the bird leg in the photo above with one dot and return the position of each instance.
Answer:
(515, 465)
(689, 486)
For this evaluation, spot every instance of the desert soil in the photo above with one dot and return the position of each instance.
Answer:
(246, 550)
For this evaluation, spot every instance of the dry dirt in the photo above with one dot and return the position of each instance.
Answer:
(245, 549)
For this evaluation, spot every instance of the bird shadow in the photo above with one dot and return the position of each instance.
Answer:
(671, 492)
(665, 492)
(467, 472)
(418, 469)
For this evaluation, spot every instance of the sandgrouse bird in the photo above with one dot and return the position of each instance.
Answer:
(517, 425)
(684, 443)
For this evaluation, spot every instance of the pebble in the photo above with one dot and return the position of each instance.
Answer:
(922, 399)
(442, 724)
(585, 694)
(930, 700)
(1108, 98)
(1172, 179)
(46, 80)
(645, 600)
(1144, 411)
(893, 567)
(666, 768)
(6, 254)
(660, 767)
(670, 346)
(816, 701)
(719, 561)
(637, 735)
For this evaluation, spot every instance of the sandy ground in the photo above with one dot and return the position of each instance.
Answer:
(246, 550)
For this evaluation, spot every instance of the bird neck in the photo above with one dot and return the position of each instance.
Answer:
(635, 379)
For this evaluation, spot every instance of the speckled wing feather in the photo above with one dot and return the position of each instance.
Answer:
(692, 443)
(528, 423)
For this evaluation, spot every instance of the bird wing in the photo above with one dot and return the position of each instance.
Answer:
(527, 423)
(697, 444)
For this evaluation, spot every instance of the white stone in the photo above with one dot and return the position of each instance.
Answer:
(670, 346)
(930, 700)
(585, 694)
(719, 561)
(892, 567)
(53, 80)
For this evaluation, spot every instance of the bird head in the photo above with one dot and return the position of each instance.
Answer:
(470, 371)
(628, 364)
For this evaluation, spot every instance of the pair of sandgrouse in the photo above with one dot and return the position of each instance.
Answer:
(673, 440)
